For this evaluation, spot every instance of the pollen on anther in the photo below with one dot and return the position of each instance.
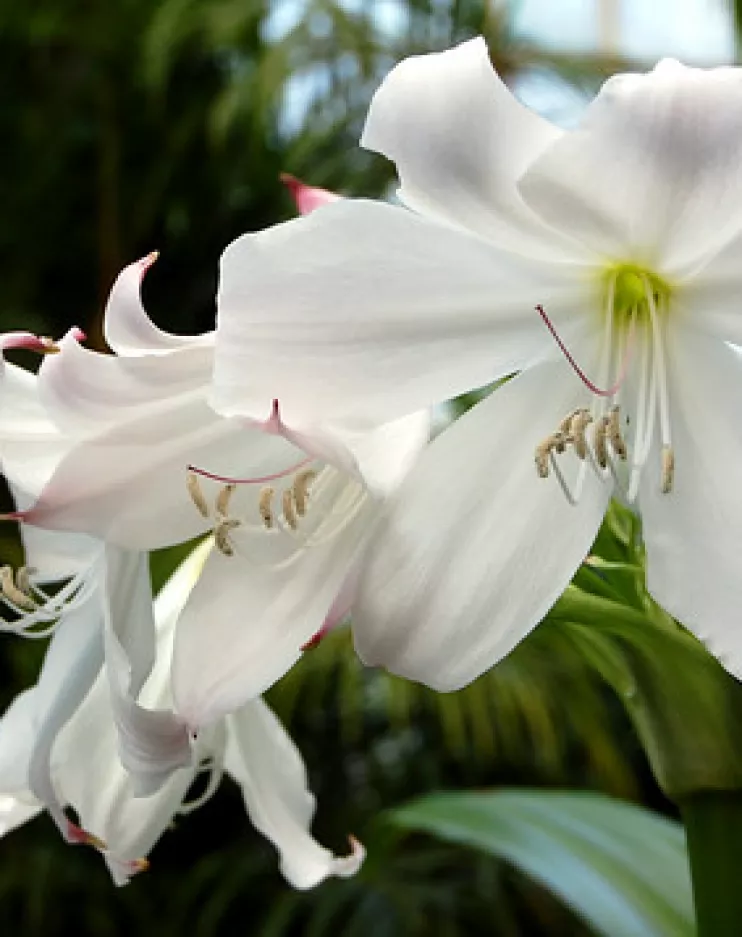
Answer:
(13, 593)
(577, 428)
(193, 487)
(614, 434)
(265, 506)
(301, 490)
(223, 498)
(668, 470)
(221, 535)
(287, 503)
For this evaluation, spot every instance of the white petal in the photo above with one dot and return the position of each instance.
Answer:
(364, 311)
(85, 392)
(91, 778)
(266, 764)
(70, 668)
(30, 444)
(17, 730)
(152, 742)
(651, 176)
(15, 811)
(708, 296)
(249, 614)
(693, 533)
(128, 485)
(127, 327)
(474, 548)
(460, 141)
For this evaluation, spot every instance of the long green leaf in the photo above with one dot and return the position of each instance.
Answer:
(621, 868)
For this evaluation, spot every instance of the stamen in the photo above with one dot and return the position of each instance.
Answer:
(577, 427)
(288, 509)
(194, 490)
(258, 480)
(600, 437)
(221, 535)
(265, 506)
(614, 433)
(544, 449)
(12, 593)
(301, 490)
(659, 365)
(668, 470)
(223, 498)
(23, 580)
(591, 386)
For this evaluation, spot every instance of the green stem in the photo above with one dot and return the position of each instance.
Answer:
(713, 824)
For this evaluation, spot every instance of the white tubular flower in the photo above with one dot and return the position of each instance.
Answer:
(604, 265)
(60, 748)
(135, 457)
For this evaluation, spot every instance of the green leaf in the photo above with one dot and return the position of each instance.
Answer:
(621, 868)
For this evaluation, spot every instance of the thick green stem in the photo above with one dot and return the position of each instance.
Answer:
(713, 823)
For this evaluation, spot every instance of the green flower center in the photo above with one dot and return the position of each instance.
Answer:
(630, 289)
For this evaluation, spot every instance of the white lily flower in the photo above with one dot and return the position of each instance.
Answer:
(78, 741)
(602, 264)
(145, 462)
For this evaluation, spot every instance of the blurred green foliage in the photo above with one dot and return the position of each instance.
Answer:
(141, 125)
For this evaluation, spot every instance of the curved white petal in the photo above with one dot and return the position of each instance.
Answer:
(364, 311)
(128, 484)
(127, 327)
(17, 729)
(652, 174)
(153, 742)
(693, 533)
(90, 777)
(474, 548)
(460, 141)
(250, 613)
(85, 392)
(267, 765)
(71, 665)
(30, 444)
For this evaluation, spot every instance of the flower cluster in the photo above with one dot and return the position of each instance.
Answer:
(591, 273)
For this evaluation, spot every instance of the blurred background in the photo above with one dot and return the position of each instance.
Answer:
(164, 124)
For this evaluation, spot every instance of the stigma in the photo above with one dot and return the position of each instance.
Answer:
(626, 414)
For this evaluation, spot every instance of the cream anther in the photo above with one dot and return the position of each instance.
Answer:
(221, 535)
(600, 439)
(556, 442)
(196, 494)
(614, 433)
(265, 506)
(301, 490)
(668, 470)
(11, 591)
(577, 428)
(223, 498)
(289, 514)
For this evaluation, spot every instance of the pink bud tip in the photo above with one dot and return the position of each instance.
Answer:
(314, 641)
(307, 198)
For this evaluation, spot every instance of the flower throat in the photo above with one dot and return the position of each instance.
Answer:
(633, 349)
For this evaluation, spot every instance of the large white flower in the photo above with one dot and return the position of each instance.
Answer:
(59, 744)
(132, 454)
(627, 233)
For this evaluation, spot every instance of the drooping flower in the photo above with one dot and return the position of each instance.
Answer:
(59, 747)
(603, 265)
(147, 463)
